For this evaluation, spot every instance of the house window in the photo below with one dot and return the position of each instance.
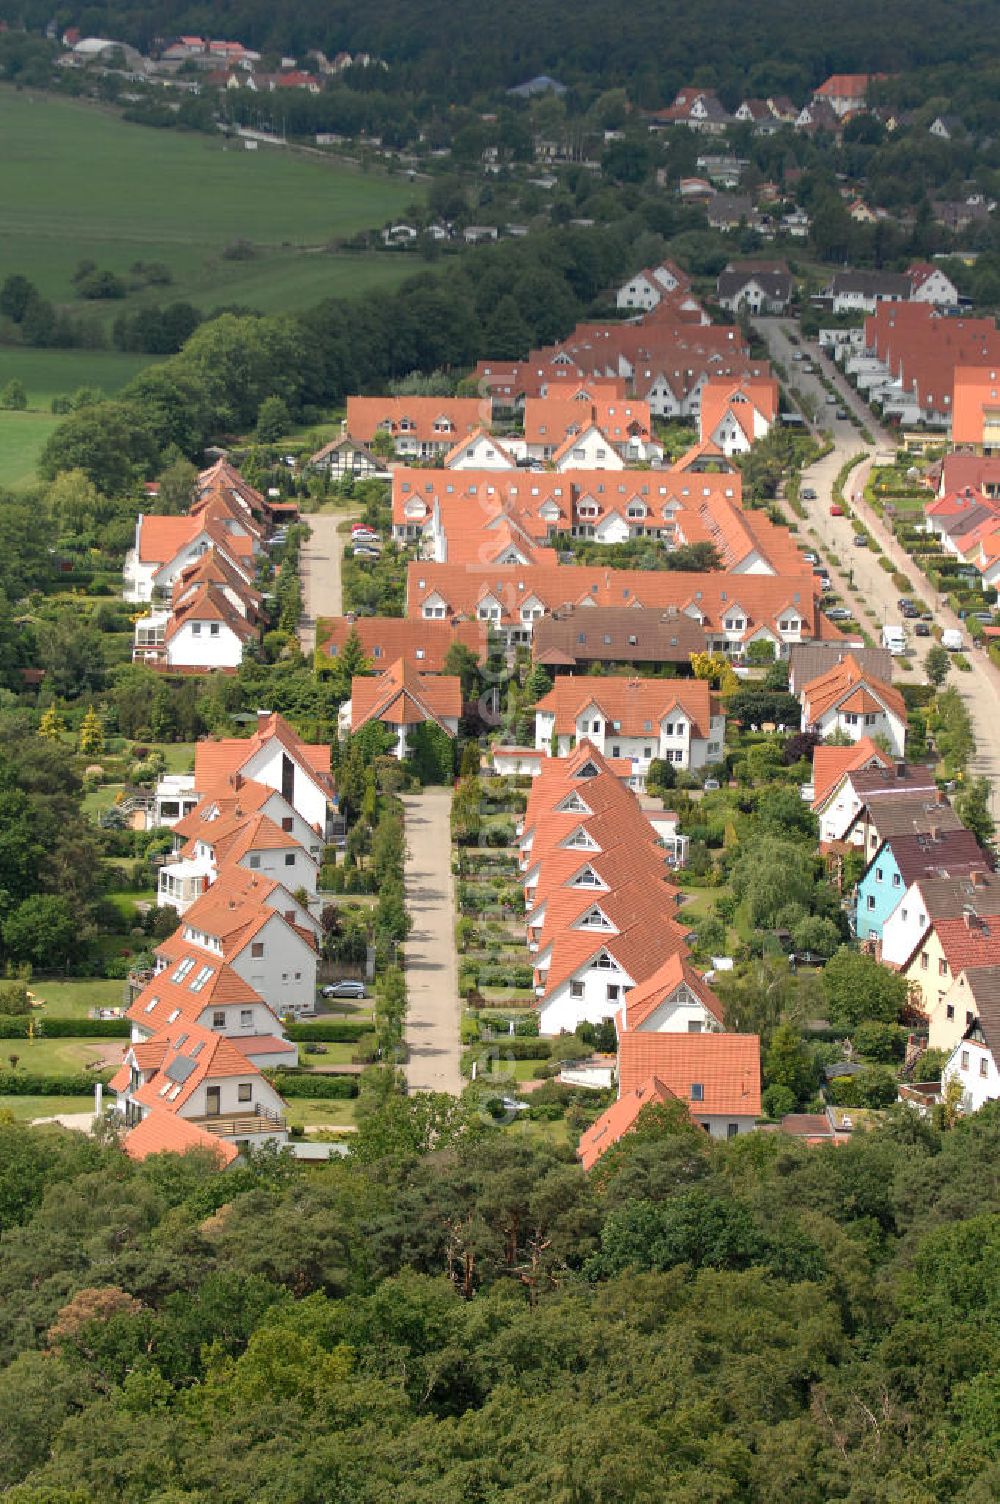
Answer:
(576, 989)
(949, 1011)
(255, 862)
(896, 880)
(923, 962)
(246, 1018)
(289, 858)
(616, 751)
(984, 1069)
(968, 1018)
(871, 900)
(219, 1019)
(878, 874)
(614, 992)
(257, 949)
(196, 629)
(287, 823)
(694, 1025)
(244, 1091)
(732, 1130)
(942, 967)
(697, 1091)
(213, 629)
(965, 1060)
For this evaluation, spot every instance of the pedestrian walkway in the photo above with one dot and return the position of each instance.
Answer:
(319, 571)
(434, 1013)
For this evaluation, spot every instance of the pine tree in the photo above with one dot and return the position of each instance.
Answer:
(91, 742)
(350, 663)
(51, 725)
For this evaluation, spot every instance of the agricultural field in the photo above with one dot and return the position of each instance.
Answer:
(80, 183)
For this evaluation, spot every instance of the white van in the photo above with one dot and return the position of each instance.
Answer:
(894, 638)
(951, 638)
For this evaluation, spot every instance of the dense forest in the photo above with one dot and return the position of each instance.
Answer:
(457, 1315)
(787, 46)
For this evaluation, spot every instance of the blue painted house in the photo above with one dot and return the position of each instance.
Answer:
(903, 859)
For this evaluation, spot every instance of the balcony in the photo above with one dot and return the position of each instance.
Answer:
(255, 1120)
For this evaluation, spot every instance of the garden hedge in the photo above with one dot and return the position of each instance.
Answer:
(15, 1026)
(24, 1084)
(332, 1031)
(304, 1084)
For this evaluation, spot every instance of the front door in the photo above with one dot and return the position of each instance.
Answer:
(213, 1099)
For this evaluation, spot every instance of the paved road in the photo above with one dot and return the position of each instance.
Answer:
(859, 576)
(433, 1008)
(319, 571)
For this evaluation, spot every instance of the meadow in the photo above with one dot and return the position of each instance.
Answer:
(78, 183)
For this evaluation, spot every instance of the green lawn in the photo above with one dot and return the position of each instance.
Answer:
(77, 182)
(337, 1053)
(307, 1112)
(75, 997)
(101, 798)
(59, 1057)
(22, 438)
(25, 1109)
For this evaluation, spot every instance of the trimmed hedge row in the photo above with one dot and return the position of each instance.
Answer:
(23, 1084)
(15, 1026)
(305, 1084)
(336, 1031)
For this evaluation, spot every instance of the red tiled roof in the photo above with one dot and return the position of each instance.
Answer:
(367, 415)
(216, 761)
(847, 687)
(628, 704)
(726, 1066)
(403, 697)
(831, 764)
(163, 1133)
(618, 1119)
(643, 1001)
(969, 942)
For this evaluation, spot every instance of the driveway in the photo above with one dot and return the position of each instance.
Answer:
(858, 575)
(319, 571)
(433, 1012)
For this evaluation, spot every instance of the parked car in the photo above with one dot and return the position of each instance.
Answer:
(838, 613)
(910, 612)
(831, 400)
(922, 629)
(860, 540)
(711, 785)
(986, 617)
(810, 557)
(807, 493)
(836, 511)
(346, 987)
(841, 413)
(797, 355)
(363, 551)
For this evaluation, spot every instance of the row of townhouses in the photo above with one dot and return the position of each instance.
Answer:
(249, 828)
(197, 573)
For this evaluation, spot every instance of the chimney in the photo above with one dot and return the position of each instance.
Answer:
(238, 777)
(263, 716)
(971, 918)
(901, 770)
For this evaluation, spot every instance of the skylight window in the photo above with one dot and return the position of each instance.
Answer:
(183, 969)
(203, 977)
